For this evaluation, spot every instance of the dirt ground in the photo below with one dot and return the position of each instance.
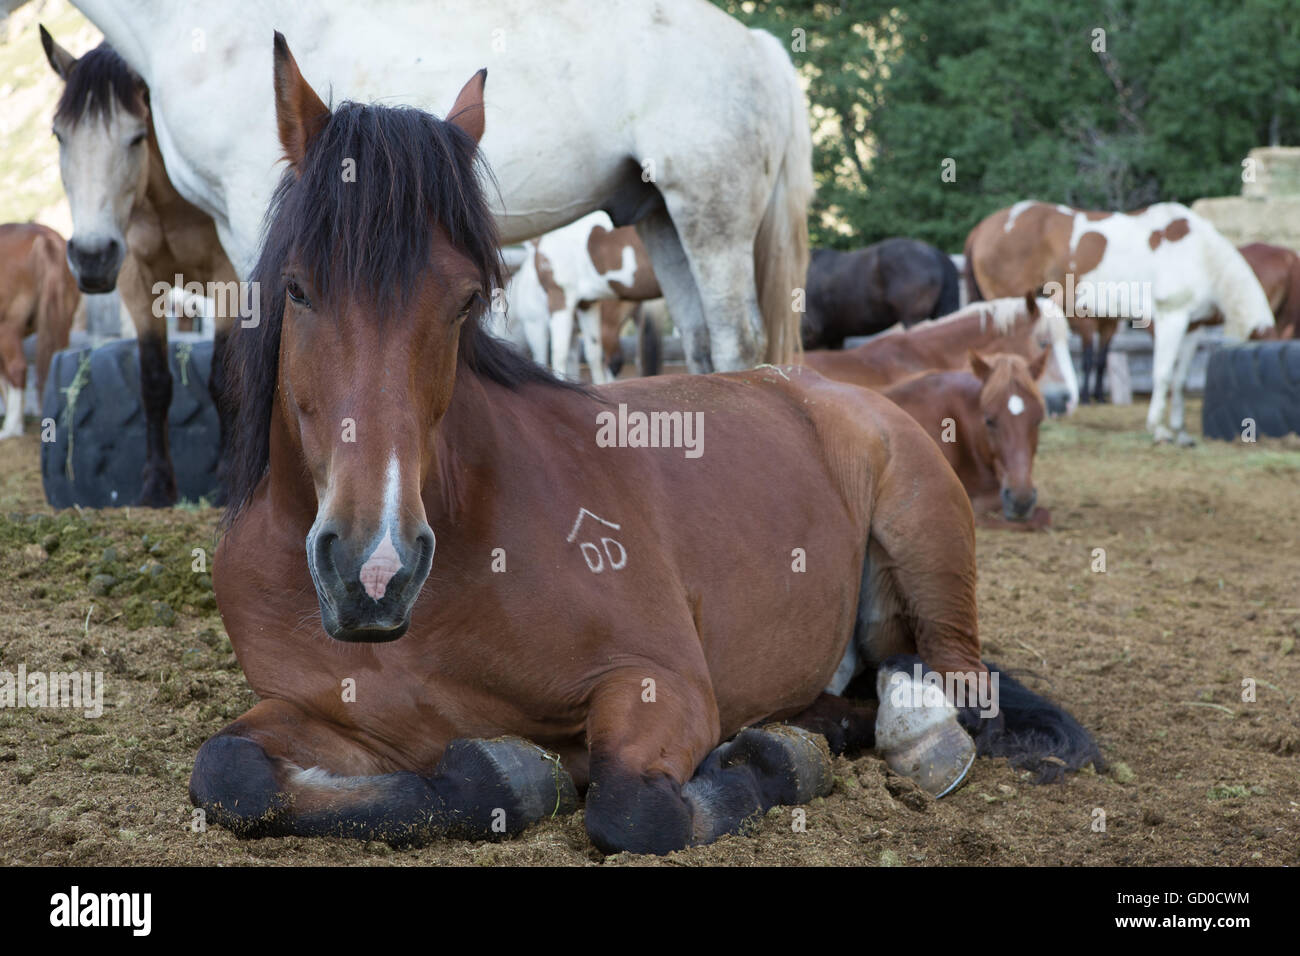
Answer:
(1201, 591)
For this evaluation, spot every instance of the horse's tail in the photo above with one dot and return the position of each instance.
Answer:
(949, 300)
(57, 299)
(1034, 733)
(650, 348)
(973, 293)
(781, 246)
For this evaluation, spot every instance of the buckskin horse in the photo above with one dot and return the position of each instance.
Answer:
(37, 294)
(630, 130)
(398, 685)
(985, 421)
(1163, 264)
(133, 231)
(868, 290)
(1023, 326)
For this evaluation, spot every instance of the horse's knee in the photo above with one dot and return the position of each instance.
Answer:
(234, 783)
(627, 811)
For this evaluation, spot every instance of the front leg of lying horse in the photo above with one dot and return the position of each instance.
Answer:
(278, 772)
(650, 791)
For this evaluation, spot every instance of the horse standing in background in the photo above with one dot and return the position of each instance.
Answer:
(37, 294)
(1278, 271)
(598, 104)
(985, 421)
(133, 231)
(1162, 265)
(868, 290)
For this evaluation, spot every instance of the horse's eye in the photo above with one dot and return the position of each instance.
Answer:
(294, 291)
(57, 136)
(991, 422)
(468, 307)
(137, 139)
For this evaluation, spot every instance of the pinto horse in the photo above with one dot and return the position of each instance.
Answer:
(133, 231)
(397, 685)
(1163, 264)
(37, 294)
(1023, 326)
(986, 424)
(598, 104)
(868, 290)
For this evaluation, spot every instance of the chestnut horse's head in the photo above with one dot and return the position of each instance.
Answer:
(1012, 409)
(379, 257)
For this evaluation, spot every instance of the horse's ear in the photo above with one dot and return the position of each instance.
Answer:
(467, 111)
(1038, 365)
(1031, 303)
(979, 366)
(299, 112)
(61, 61)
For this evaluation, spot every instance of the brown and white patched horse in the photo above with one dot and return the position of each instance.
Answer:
(134, 232)
(1024, 326)
(37, 294)
(1163, 265)
(440, 560)
(985, 421)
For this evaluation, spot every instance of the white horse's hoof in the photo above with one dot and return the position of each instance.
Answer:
(9, 434)
(1162, 435)
(918, 735)
(1185, 440)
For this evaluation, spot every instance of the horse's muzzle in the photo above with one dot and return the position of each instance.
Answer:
(1018, 506)
(95, 266)
(364, 598)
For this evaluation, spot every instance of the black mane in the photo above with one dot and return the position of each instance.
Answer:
(94, 83)
(367, 239)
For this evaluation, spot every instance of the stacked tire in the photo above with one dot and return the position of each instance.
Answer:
(1259, 381)
(97, 455)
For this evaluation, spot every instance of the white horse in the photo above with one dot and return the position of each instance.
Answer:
(669, 114)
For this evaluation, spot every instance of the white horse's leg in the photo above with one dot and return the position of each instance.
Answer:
(673, 270)
(537, 332)
(589, 327)
(1182, 368)
(13, 426)
(1170, 328)
(561, 340)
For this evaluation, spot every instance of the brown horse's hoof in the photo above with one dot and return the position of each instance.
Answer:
(918, 734)
(798, 755)
(532, 776)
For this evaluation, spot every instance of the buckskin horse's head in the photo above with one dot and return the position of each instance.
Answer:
(380, 253)
(1012, 409)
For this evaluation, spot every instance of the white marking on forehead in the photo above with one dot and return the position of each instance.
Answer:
(1015, 404)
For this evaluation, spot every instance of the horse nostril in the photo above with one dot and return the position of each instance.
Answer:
(322, 549)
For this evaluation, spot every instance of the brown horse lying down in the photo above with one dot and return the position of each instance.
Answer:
(37, 294)
(1019, 326)
(583, 596)
(986, 425)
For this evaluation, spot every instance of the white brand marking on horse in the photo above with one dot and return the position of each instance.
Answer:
(613, 550)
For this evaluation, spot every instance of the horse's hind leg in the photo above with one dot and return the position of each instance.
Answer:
(1182, 369)
(673, 271)
(659, 783)
(278, 772)
(221, 401)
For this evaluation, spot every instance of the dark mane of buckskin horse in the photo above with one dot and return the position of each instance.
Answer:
(867, 290)
(419, 170)
(100, 78)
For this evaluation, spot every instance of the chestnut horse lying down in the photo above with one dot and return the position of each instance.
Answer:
(584, 597)
(986, 425)
(1021, 326)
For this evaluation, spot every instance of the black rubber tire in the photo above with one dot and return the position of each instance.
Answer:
(107, 427)
(1259, 381)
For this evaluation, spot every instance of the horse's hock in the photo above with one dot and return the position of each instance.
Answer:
(98, 452)
(1268, 209)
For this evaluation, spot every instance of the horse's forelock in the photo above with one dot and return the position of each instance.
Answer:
(95, 84)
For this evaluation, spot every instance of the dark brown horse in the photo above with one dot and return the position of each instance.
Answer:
(37, 295)
(867, 290)
(986, 424)
(584, 593)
